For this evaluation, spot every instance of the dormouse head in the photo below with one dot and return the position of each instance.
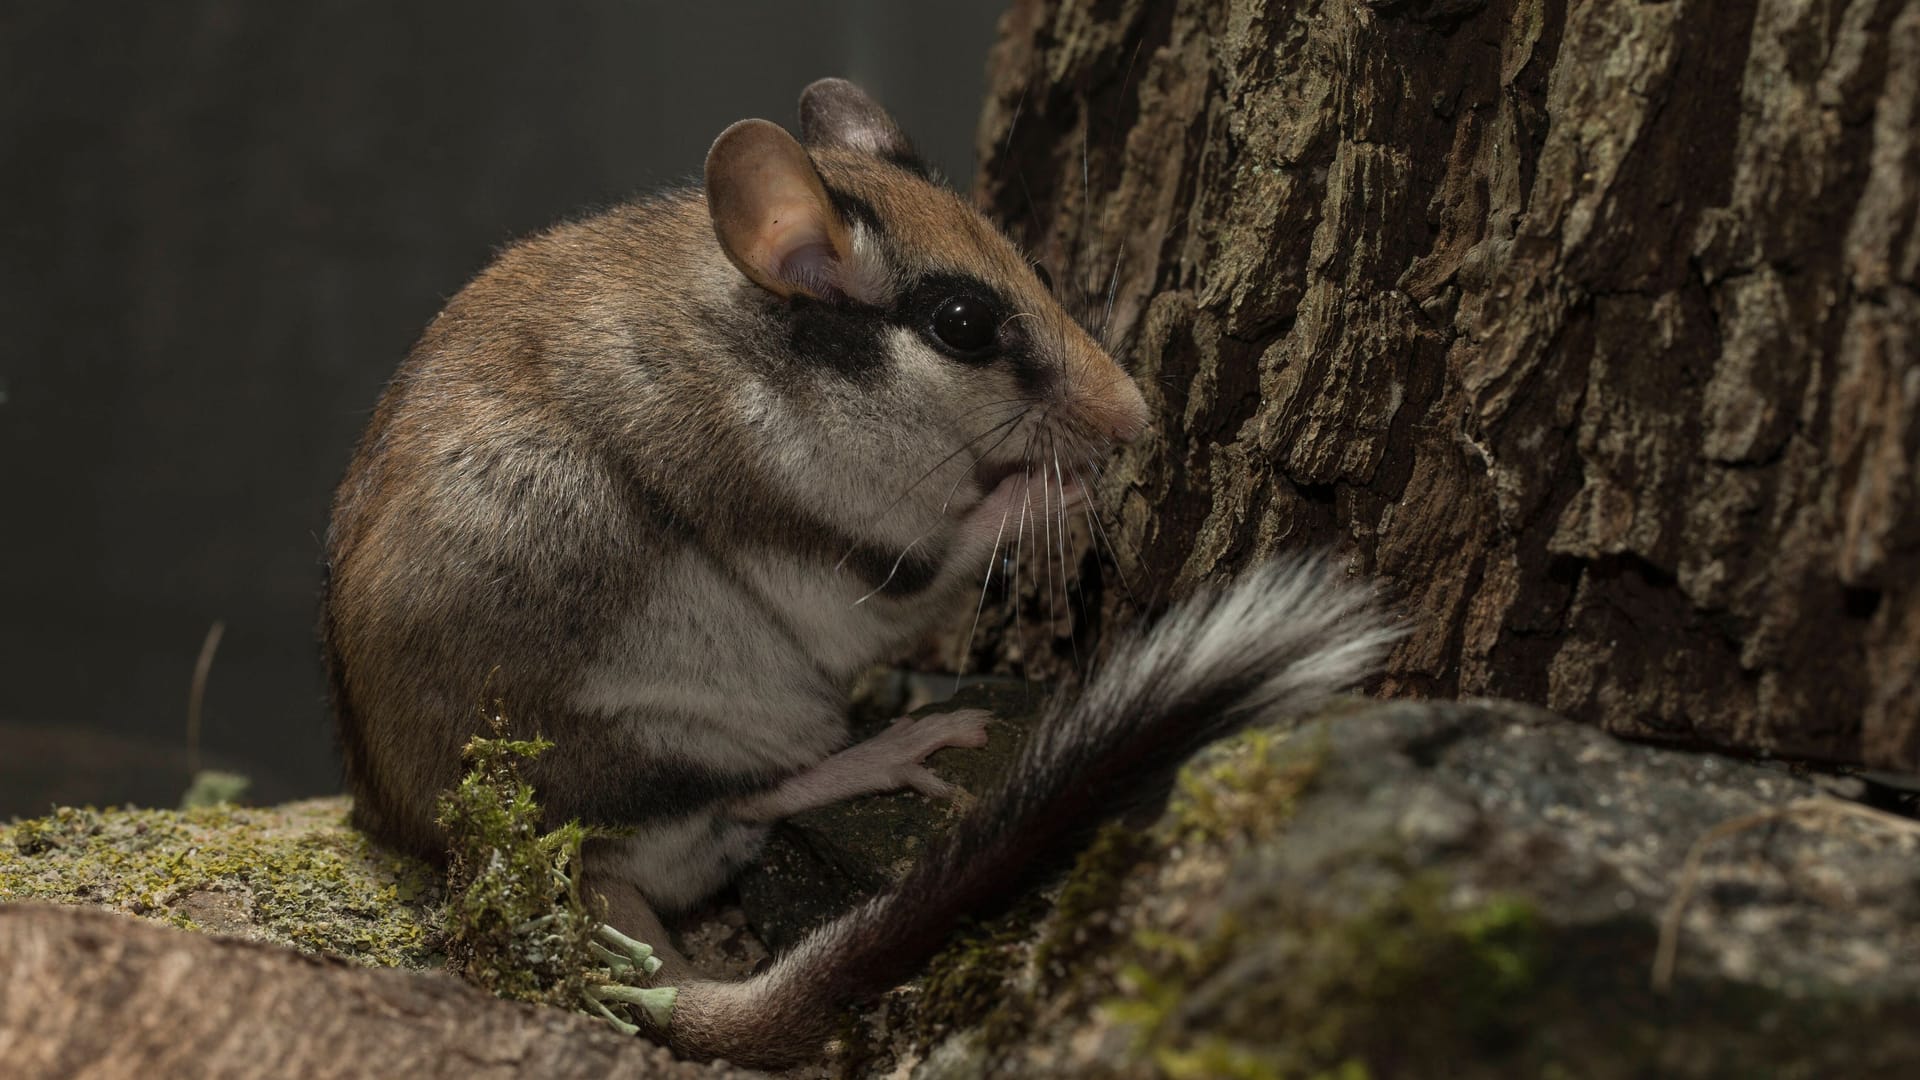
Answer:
(881, 277)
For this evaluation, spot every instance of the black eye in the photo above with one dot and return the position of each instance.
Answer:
(964, 323)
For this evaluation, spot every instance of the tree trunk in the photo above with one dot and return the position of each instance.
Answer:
(1589, 330)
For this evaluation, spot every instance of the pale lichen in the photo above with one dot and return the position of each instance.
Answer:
(518, 924)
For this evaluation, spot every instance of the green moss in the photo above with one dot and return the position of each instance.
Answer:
(1214, 1058)
(509, 916)
(1448, 979)
(297, 875)
(975, 982)
(972, 981)
(1079, 923)
(1411, 981)
(517, 924)
(1245, 789)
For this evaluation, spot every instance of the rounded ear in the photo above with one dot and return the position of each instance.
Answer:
(836, 113)
(772, 214)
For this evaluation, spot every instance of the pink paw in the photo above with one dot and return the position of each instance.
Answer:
(909, 740)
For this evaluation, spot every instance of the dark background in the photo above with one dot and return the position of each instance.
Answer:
(225, 222)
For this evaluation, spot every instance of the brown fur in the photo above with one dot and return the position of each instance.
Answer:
(625, 404)
(437, 597)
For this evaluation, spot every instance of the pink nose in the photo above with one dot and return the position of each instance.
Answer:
(1126, 425)
(1122, 412)
(1106, 398)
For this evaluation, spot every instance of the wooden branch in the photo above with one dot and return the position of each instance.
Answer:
(91, 993)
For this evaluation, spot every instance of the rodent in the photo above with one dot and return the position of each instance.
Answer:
(664, 480)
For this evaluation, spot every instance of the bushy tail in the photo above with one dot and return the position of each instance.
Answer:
(1272, 644)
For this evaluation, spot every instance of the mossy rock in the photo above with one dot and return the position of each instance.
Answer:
(1390, 889)
(1460, 889)
(296, 875)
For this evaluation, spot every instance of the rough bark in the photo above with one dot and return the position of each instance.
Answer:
(88, 993)
(1590, 330)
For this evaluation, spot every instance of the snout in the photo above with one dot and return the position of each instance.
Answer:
(1101, 396)
(1129, 419)
(1113, 406)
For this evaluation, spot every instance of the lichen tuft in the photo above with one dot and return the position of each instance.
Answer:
(517, 924)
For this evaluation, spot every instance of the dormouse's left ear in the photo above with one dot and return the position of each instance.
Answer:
(772, 214)
(835, 113)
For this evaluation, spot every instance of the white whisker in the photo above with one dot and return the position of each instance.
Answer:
(1046, 551)
(1113, 288)
(1066, 582)
(1015, 122)
(1086, 192)
(1020, 531)
(1100, 533)
(930, 529)
(896, 568)
(966, 645)
(965, 476)
(1011, 423)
